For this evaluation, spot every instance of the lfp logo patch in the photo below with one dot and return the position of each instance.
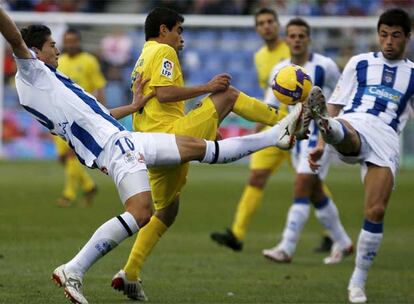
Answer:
(167, 68)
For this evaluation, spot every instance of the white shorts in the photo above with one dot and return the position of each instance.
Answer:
(379, 143)
(127, 153)
(300, 153)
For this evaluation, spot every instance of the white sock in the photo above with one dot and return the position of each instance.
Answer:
(327, 214)
(369, 242)
(336, 132)
(234, 148)
(105, 238)
(297, 216)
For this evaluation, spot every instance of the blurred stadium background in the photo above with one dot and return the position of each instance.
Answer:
(219, 37)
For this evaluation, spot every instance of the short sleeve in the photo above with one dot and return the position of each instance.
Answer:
(269, 97)
(31, 70)
(165, 70)
(331, 77)
(345, 86)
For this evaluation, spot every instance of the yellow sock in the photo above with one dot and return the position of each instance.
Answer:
(248, 204)
(255, 110)
(71, 179)
(83, 177)
(146, 239)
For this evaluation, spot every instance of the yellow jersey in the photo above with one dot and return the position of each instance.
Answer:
(159, 63)
(83, 69)
(266, 59)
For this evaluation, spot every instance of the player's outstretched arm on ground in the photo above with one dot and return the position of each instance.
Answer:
(12, 34)
(138, 100)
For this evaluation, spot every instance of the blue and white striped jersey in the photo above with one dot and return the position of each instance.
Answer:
(372, 84)
(323, 72)
(65, 108)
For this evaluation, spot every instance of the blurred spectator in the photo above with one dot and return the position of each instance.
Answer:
(182, 6)
(220, 7)
(46, 6)
(19, 5)
(116, 48)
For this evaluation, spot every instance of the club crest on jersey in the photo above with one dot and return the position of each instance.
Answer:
(129, 157)
(167, 68)
(388, 76)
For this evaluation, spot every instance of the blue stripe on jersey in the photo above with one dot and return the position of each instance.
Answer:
(40, 117)
(387, 80)
(92, 103)
(313, 138)
(361, 68)
(86, 139)
(81, 160)
(319, 76)
(403, 102)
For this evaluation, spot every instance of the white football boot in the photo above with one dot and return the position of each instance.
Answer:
(132, 289)
(338, 254)
(277, 255)
(288, 127)
(72, 284)
(356, 294)
(319, 112)
(303, 129)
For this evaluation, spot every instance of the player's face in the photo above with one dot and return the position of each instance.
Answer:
(174, 38)
(267, 27)
(392, 41)
(71, 43)
(297, 40)
(49, 53)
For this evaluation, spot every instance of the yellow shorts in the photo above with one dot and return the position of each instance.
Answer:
(62, 148)
(167, 182)
(269, 158)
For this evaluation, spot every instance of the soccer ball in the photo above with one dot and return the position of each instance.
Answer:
(291, 85)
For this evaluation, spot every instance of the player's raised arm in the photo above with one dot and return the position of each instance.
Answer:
(12, 34)
(138, 101)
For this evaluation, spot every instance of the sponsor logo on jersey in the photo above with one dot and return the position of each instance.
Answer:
(167, 68)
(385, 93)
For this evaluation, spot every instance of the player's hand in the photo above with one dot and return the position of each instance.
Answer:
(139, 100)
(314, 156)
(218, 135)
(220, 82)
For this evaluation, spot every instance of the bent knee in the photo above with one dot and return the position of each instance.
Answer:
(258, 178)
(141, 209)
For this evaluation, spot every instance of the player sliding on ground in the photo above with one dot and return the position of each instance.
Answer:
(100, 141)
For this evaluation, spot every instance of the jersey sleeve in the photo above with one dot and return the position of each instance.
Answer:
(331, 77)
(345, 86)
(269, 97)
(30, 69)
(165, 69)
(97, 79)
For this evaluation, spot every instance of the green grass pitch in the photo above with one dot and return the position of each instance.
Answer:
(186, 267)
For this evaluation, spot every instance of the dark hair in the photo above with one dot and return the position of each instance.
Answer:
(73, 31)
(35, 35)
(299, 22)
(159, 16)
(265, 10)
(396, 17)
